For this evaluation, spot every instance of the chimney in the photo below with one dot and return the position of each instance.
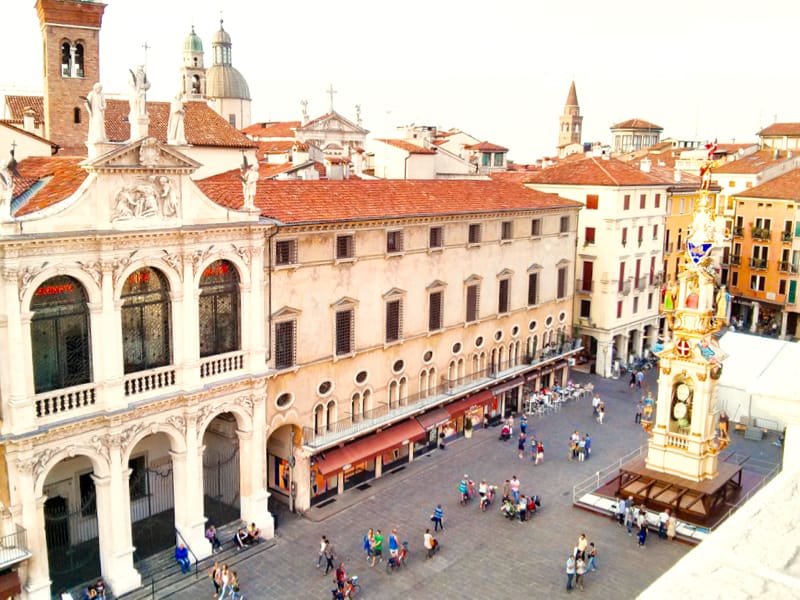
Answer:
(645, 165)
(677, 176)
(29, 119)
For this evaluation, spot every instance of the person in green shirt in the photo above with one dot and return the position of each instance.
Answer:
(377, 547)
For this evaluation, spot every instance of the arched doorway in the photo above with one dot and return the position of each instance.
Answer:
(221, 492)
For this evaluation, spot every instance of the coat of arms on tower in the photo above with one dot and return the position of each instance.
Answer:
(148, 153)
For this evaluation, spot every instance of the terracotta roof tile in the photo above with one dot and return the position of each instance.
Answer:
(486, 147)
(66, 176)
(203, 126)
(751, 164)
(298, 202)
(785, 187)
(274, 146)
(272, 129)
(407, 146)
(18, 104)
(636, 124)
(781, 129)
(594, 171)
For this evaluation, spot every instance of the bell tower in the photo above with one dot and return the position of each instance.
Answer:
(570, 122)
(683, 429)
(71, 37)
(193, 72)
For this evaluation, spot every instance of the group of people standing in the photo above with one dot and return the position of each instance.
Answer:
(580, 446)
(582, 560)
(629, 514)
(226, 582)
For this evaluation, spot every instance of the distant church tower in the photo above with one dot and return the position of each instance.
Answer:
(569, 124)
(193, 72)
(71, 36)
(226, 88)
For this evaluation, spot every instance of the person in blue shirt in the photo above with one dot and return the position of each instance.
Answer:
(182, 556)
(588, 447)
(438, 515)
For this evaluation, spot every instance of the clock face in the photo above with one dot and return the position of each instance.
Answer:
(683, 392)
(679, 411)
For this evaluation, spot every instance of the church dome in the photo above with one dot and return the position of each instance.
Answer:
(221, 37)
(224, 81)
(192, 43)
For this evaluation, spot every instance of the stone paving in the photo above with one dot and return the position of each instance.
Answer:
(483, 555)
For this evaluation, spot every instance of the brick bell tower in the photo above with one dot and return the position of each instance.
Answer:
(71, 36)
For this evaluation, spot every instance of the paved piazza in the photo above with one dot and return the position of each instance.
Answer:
(482, 555)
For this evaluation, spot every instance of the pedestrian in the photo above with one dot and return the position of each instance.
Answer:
(601, 412)
(582, 544)
(632, 382)
(580, 571)
(570, 571)
(322, 542)
(663, 517)
(621, 511)
(367, 544)
(639, 379)
(523, 424)
(510, 423)
(438, 516)
(394, 543)
(521, 446)
(639, 410)
(377, 548)
(629, 516)
(329, 556)
(514, 487)
(591, 564)
(672, 524)
(595, 404)
(539, 452)
(506, 490)
(641, 518)
(572, 449)
(588, 447)
(224, 580)
(642, 536)
(428, 543)
(234, 586)
(215, 574)
(582, 449)
(533, 450)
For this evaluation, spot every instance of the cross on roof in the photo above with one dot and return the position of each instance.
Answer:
(331, 92)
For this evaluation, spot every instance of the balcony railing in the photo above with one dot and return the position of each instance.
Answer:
(584, 286)
(787, 236)
(352, 426)
(626, 287)
(787, 267)
(736, 260)
(221, 364)
(759, 233)
(14, 548)
(738, 231)
(641, 283)
(758, 263)
(74, 400)
(149, 381)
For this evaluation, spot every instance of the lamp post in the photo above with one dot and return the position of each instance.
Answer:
(292, 486)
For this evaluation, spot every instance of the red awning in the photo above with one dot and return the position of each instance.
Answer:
(433, 418)
(369, 446)
(461, 406)
(508, 385)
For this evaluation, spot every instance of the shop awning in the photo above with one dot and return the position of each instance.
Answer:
(369, 446)
(508, 385)
(461, 406)
(433, 418)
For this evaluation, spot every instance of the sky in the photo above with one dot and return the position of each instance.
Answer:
(499, 70)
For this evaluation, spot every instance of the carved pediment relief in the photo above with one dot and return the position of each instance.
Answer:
(145, 197)
(145, 154)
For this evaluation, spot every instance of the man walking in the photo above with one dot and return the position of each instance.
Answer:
(438, 515)
(514, 487)
(639, 410)
(570, 571)
(621, 512)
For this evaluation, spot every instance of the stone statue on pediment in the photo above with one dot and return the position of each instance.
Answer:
(95, 102)
(176, 134)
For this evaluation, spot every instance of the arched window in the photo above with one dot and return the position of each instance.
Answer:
(393, 395)
(403, 391)
(331, 415)
(66, 59)
(355, 408)
(219, 309)
(146, 332)
(319, 419)
(366, 402)
(60, 338)
(77, 67)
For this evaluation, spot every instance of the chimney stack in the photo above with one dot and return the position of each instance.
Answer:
(645, 165)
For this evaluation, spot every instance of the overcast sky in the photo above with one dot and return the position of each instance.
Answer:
(497, 69)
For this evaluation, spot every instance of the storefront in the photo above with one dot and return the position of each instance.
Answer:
(509, 396)
(472, 407)
(433, 422)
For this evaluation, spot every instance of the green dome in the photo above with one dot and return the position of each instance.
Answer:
(193, 43)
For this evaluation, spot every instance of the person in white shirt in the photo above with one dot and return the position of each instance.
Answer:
(429, 543)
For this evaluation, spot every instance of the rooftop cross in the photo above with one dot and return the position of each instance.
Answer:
(331, 92)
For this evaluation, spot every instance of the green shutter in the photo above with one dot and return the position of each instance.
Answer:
(792, 291)
(797, 229)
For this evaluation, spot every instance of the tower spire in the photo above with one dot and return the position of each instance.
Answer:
(569, 125)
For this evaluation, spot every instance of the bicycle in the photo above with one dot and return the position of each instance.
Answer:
(351, 589)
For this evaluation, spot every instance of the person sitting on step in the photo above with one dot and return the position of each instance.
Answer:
(241, 539)
(182, 557)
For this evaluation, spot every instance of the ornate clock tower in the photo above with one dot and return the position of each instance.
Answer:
(683, 425)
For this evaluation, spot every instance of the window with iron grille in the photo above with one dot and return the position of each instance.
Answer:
(219, 309)
(435, 311)
(475, 233)
(533, 288)
(344, 332)
(507, 230)
(285, 344)
(503, 295)
(345, 246)
(146, 321)
(473, 302)
(536, 227)
(436, 237)
(563, 225)
(285, 252)
(394, 241)
(394, 320)
(561, 287)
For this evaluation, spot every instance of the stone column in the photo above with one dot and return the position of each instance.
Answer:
(252, 480)
(18, 411)
(302, 479)
(114, 527)
(187, 469)
(29, 508)
(754, 318)
(784, 323)
(186, 310)
(602, 362)
(621, 341)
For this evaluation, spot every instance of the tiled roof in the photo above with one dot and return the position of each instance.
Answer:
(18, 104)
(407, 146)
(594, 171)
(297, 202)
(636, 124)
(750, 164)
(274, 146)
(572, 96)
(785, 187)
(510, 176)
(65, 175)
(203, 126)
(21, 131)
(486, 147)
(272, 129)
(781, 129)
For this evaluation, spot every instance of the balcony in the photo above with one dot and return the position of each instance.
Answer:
(738, 232)
(787, 237)
(759, 233)
(656, 279)
(584, 287)
(641, 283)
(758, 263)
(14, 548)
(787, 267)
(736, 260)
(450, 389)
